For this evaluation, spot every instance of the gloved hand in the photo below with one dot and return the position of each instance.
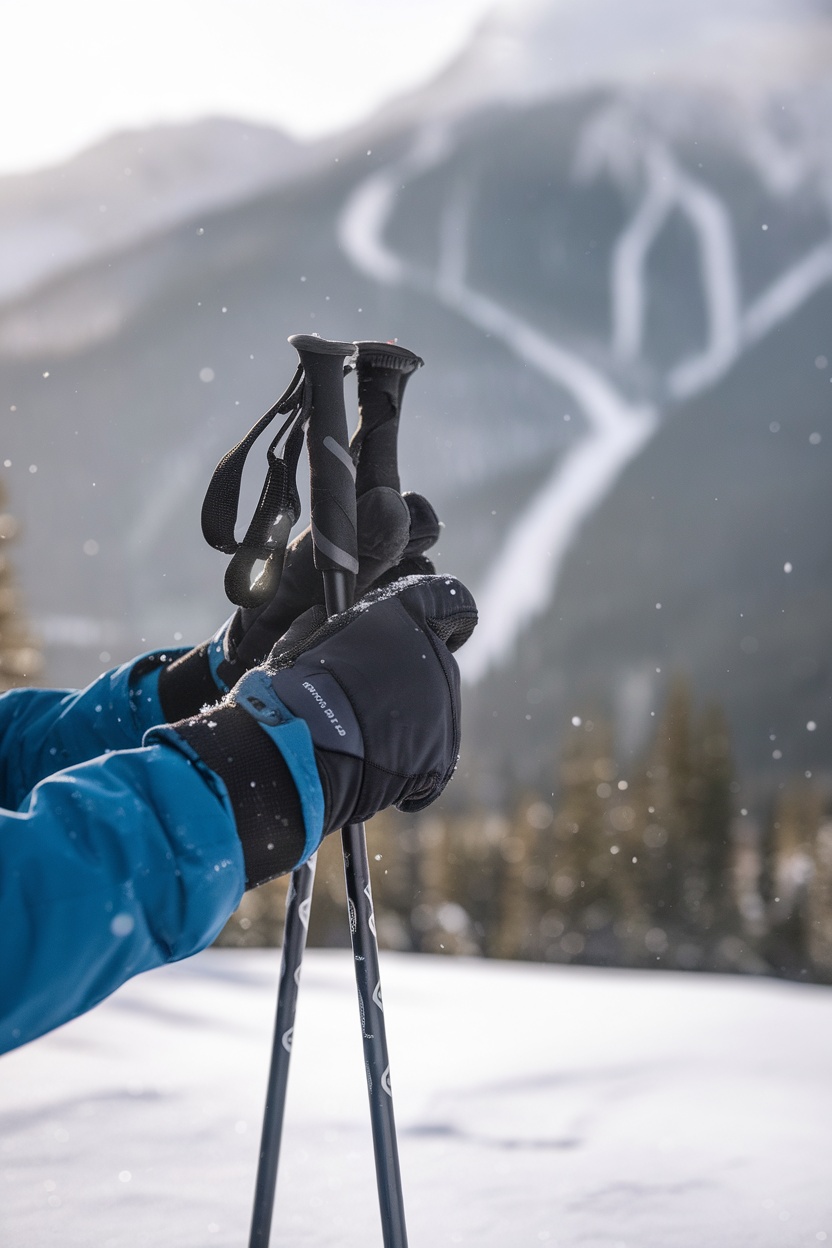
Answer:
(366, 703)
(394, 531)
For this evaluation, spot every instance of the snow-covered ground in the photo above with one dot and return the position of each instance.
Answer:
(536, 1106)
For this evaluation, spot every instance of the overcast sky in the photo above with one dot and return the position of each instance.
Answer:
(75, 70)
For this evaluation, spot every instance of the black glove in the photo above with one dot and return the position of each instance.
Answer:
(378, 690)
(394, 531)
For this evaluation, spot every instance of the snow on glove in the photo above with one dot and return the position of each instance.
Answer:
(349, 715)
(394, 531)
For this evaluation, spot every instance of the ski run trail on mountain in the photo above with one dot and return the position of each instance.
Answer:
(568, 1107)
(523, 576)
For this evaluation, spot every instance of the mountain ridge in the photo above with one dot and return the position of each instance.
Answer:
(128, 185)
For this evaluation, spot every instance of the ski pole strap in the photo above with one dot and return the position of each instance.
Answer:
(383, 369)
(277, 509)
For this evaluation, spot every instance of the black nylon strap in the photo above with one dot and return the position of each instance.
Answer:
(219, 509)
(277, 509)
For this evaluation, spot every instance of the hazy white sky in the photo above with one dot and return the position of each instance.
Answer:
(74, 70)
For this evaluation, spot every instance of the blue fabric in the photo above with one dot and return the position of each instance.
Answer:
(216, 654)
(45, 730)
(114, 858)
(255, 692)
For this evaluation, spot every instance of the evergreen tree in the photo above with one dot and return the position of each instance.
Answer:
(710, 849)
(669, 789)
(20, 658)
(683, 805)
(477, 879)
(419, 883)
(797, 818)
(819, 905)
(581, 850)
(632, 828)
(518, 910)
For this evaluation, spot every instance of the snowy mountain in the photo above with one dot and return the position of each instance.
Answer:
(591, 1108)
(608, 231)
(129, 186)
(529, 50)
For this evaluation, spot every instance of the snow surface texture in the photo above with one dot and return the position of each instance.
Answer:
(536, 1105)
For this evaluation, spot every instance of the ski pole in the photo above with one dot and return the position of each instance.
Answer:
(383, 370)
(332, 475)
(324, 405)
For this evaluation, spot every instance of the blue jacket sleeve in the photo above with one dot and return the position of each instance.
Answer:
(46, 730)
(109, 868)
(115, 857)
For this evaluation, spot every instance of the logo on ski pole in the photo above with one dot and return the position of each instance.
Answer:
(371, 920)
(286, 1039)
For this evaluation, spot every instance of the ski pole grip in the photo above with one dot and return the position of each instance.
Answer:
(331, 469)
(383, 369)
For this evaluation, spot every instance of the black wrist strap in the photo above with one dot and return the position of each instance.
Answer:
(266, 804)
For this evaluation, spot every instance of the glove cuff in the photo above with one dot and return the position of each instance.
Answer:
(265, 801)
(264, 756)
(193, 681)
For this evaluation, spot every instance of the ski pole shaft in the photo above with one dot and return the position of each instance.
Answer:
(335, 483)
(298, 900)
(374, 1035)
